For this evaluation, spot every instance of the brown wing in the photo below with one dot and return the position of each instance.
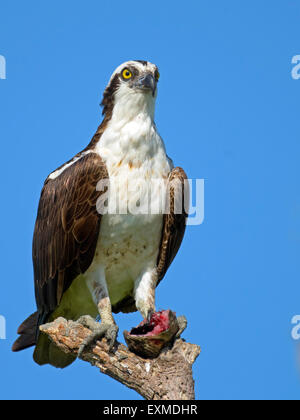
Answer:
(66, 230)
(174, 224)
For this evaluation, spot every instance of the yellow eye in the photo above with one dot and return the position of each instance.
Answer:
(126, 74)
(157, 75)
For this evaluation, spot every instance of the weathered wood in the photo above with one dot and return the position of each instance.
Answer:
(166, 377)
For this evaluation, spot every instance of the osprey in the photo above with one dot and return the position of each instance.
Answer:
(88, 263)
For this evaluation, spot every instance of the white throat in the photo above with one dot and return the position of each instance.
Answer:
(130, 138)
(130, 103)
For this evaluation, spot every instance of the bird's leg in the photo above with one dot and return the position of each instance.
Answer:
(107, 328)
(144, 293)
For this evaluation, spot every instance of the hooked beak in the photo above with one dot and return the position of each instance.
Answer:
(147, 82)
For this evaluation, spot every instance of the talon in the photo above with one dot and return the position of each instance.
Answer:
(149, 315)
(111, 335)
(109, 331)
(88, 322)
(182, 323)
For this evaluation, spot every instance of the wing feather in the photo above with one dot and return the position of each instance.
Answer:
(173, 224)
(66, 230)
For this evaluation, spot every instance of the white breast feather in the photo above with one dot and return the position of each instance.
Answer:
(131, 149)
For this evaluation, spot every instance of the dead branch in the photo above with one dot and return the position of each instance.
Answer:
(166, 377)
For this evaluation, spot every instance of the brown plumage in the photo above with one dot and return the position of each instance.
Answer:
(174, 224)
(65, 237)
(67, 231)
(27, 331)
(70, 234)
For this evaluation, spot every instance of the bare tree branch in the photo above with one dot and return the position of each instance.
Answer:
(166, 377)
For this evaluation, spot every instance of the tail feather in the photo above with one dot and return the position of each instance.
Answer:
(23, 342)
(29, 323)
(27, 331)
(45, 351)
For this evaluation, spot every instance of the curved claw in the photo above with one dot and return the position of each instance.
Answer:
(111, 335)
(109, 331)
(182, 323)
(149, 315)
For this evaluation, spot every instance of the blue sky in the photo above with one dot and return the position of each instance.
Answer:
(228, 110)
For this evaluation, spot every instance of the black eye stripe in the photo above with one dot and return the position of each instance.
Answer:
(135, 73)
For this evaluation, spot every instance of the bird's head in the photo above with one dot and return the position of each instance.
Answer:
(132, 88)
